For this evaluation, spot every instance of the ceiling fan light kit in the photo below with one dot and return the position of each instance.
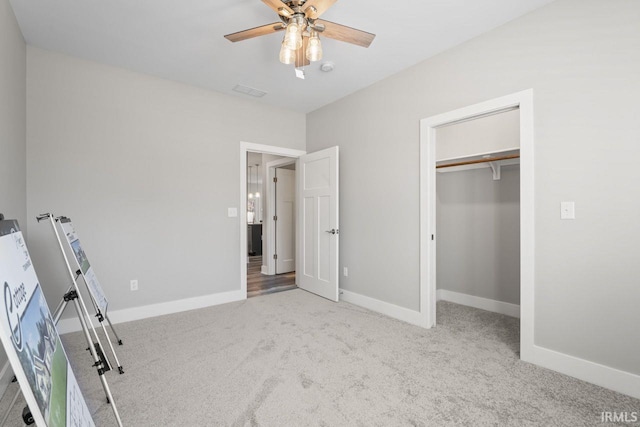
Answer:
(287, 56)
(314, 50)
(301, 44)
(293, 35)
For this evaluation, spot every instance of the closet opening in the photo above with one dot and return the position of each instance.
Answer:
(478, 221)
(477, 215)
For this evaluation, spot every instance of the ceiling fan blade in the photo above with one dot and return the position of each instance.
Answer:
(301, 54)
(345, 34)
(279, 7)
(314, 8)
(255, 32)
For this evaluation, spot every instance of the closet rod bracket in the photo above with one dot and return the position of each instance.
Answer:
(495, 168)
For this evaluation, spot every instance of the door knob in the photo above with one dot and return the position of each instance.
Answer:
(332, 231)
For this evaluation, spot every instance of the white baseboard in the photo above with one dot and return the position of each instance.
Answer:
(264, 269)
(6, 375)
(505, 308)
(595, 373)
(601, 375)
(391, 310)
(136, 313)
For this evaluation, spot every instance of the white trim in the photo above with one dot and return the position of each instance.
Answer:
(388, 309)
(269, 223)
(595, 373)
(527, 226)
(6, 375)
(246, 147)
(137, 313)
(501, 307)
(524, 101)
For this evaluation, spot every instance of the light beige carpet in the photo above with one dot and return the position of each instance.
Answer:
(294, 359)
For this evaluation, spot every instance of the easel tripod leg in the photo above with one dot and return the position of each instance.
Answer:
(114, 330)
(106, 334)
(61, 307)
(104, 329)
(98, 363)
(110, 399)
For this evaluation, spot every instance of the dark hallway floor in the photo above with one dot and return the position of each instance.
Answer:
(260, 284)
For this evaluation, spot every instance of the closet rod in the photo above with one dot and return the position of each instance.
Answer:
(473, 162)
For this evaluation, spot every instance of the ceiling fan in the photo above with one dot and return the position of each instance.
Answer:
(300, 19)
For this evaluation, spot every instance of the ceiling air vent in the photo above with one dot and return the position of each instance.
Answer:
(249, 91)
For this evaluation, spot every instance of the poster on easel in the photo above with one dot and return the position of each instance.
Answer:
(31, 341)
(83, 264)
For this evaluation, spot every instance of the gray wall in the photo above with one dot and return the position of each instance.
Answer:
(146, 168)
(582, 58)
(478, 228)
(499, 132)
(13, 119)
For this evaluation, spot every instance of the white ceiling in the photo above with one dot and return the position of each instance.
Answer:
(183, 40)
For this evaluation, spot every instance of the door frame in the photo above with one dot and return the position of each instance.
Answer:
(246, 147)
(524, 102)
(270, 197)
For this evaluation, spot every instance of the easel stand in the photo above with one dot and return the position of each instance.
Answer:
(99, 315)
(71, 295)
(101, 363)
(97, 307)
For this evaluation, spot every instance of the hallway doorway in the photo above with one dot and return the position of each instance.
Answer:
(270, 209)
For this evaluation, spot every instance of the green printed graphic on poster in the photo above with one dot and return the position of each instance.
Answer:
(31, 340)
(83, 264)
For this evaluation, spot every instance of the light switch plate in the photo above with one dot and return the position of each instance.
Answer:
(232, 212)
(567, 210)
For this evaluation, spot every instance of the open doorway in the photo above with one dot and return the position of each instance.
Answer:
(271, 204)
(259, 150)
(316, 217)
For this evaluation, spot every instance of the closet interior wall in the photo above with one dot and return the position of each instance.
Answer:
(477, 217)
(478, 226)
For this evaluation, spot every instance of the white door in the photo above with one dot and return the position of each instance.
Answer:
(285, 220)
(317, 225)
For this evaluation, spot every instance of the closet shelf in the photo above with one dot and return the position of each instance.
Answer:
(476, 161)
